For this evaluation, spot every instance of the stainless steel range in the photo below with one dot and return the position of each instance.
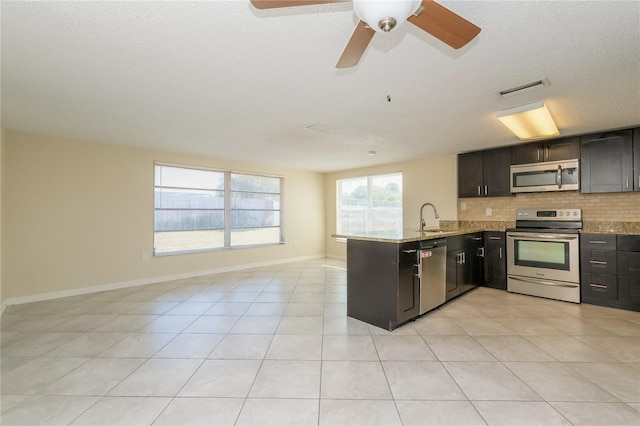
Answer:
(543, 254)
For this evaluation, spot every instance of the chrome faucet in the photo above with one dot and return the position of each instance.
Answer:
(435, 212)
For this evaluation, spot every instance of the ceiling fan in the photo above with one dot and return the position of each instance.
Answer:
(385, 15)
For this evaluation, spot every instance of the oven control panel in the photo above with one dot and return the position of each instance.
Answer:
(553, 214)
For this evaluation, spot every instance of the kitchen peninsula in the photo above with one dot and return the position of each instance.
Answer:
(384, 271)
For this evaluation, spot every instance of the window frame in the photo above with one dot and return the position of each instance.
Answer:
(226, 191)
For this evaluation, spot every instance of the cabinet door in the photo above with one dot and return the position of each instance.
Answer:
(596, 261)
(408, 291)
(532, 152)
(629, 279)
(472, 261)
(562, 149)
(636, 159)
(599, 289)
(495, 260)
(607, 162)
(454, 272)
(496, 172)
(470, 175)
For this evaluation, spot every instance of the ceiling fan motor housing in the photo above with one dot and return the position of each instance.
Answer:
(385, 15)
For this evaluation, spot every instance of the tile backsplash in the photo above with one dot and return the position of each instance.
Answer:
(608, 207)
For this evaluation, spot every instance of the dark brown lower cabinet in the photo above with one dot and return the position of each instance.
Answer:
(495, 260)
(629, 271)
(610, 270)
(382, 286)
(598, 269)
(464, 263)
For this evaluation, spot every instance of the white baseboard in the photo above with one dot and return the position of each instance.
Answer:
(144, 281)
(336, 256)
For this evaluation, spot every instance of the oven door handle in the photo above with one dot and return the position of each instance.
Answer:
(543, 282)
(542, 236)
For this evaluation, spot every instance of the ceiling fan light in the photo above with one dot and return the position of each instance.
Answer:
(529, 121)
(387, 24)
(385, 15)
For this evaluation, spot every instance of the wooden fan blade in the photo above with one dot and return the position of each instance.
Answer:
(273, 4)
(444, 24)
(357, 45)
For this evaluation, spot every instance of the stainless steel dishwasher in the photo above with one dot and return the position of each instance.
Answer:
(432, 266)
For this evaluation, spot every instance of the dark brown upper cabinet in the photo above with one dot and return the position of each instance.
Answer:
(607, 162)
(552, 150)
(484, 173)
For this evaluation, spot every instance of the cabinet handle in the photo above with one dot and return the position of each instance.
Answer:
(597, 262)
(464, 257)
(546, 153)
(598, 286)
(538, 152)
(627, 181)
(479, 190)
(485, 190)
(500, 251)
(409, 251)
(495, 238)
(477, 239)
(598, 242)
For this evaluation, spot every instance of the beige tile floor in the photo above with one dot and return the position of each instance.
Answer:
(273, 345)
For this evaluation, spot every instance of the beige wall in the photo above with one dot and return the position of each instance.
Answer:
(1, 171)
(79, 214)
(432, 179)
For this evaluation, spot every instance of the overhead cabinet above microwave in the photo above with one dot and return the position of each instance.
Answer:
(552, 150)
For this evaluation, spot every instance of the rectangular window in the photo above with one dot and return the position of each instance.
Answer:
(201, 210)
(255, 210)
(370, 203)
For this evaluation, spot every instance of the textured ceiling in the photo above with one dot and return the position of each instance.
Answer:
(224, 79)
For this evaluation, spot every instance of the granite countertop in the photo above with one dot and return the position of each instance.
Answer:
(453, 228)
(623, 228)
(406, 235)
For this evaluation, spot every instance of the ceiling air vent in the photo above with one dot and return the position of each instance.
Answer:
(539, 84)
(320, 128)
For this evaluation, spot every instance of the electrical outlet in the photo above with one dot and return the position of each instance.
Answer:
(463, 205)
(488, 211)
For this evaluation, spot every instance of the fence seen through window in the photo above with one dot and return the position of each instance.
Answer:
(200, 210)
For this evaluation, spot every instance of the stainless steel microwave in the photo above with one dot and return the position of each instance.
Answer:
(546, 176)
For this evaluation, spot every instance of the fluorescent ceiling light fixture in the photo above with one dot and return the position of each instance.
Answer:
(529, 121)
(383, 16)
